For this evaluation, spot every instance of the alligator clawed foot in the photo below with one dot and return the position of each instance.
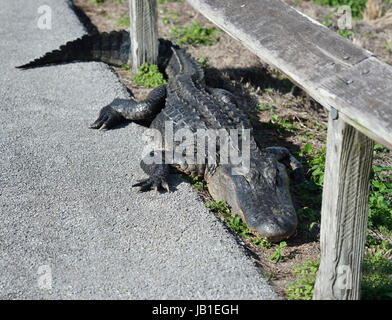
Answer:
(152, 183)
(108, 118)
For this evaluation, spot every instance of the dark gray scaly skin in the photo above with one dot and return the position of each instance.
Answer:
(112, 48)
(260, 196)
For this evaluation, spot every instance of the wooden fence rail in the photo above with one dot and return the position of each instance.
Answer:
(357, 90)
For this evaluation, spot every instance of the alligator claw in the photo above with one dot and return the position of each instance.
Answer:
(165, 186)
(152, 183)
(108, 118)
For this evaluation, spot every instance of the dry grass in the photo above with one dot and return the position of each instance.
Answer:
(373, 10)
(384, 21)
(378, 13)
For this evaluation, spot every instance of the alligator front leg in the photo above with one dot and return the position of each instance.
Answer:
(120, 110)
(284, 156)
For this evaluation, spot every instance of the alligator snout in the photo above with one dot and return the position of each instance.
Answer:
(264, 205)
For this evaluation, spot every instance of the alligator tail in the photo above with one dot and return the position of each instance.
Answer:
(112, 48)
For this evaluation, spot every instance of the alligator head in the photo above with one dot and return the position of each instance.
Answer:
(261, 197)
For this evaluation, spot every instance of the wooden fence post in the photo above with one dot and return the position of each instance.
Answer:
(344, 211)
(144, 32)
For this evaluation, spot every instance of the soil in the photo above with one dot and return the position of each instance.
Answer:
(231, 66)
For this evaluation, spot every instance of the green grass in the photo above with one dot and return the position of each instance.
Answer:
(126, 68)
(380, 195)
(149, 76)
(380, 208)
(377, 265)
(123, 21)
(236, 224)
(346, 33)
(203, 61)
(280, 125)
(310, 195)
(302, 288)
(388, 46)
(315, 160)
(377, 271)
(357, 6)
(195, 35)
(234, 221)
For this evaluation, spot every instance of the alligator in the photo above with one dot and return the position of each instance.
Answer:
(259, 194)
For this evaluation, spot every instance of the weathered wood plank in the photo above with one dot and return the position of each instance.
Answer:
(365, 93)
(144, 32)
(344, 212)
(330, 68)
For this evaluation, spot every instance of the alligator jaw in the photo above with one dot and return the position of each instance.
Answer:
(266, 208)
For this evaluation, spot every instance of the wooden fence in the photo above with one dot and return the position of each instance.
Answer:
(350, 82)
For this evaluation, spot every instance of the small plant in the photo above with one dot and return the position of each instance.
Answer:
(388, 46)
(261, 106)
(149, 76)
(239, 226)
(345, 33)
(203, 61)
(262, 242)
(235, 223)
(219, 206)
(378, 148)
(277, 255)
(126, 67)
(195, 34)
(310, 195)
(282, 126)
(196, 182)
(302, 288)
(316, 162)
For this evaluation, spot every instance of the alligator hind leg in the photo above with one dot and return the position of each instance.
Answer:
(284, 156)
(157, 171)
(120, 110)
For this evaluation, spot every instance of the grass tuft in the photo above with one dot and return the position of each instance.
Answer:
(303, 287)
(149, 76)
(195, 35)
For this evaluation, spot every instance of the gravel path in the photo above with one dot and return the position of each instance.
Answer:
(71, 226)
